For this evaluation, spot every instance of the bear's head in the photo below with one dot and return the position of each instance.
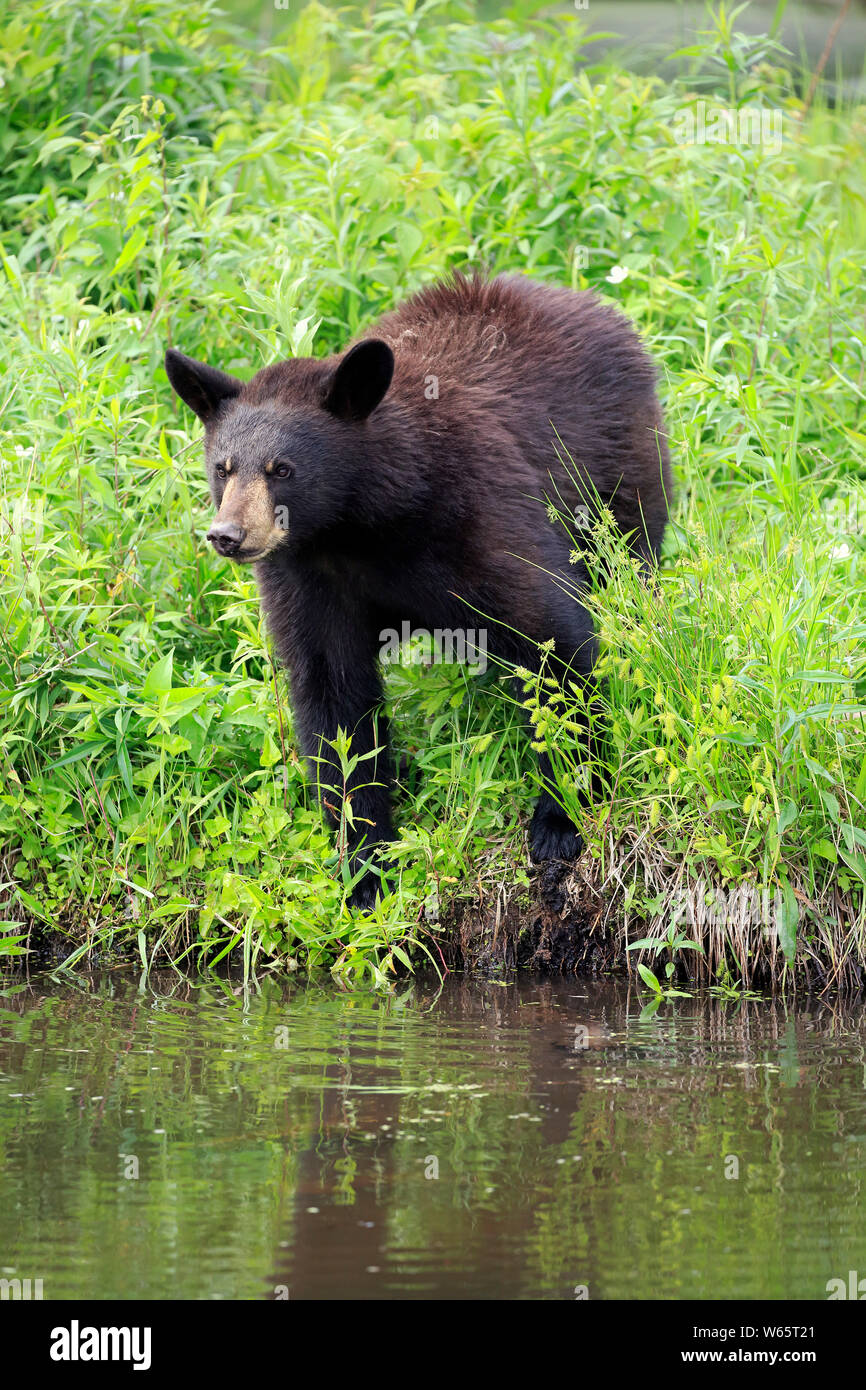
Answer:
(285, 451)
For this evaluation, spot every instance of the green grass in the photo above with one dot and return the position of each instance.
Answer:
(162, 184)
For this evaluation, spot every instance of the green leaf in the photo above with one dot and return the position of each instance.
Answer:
(83, 750)
(124, 765)
(826, 849)
(787, 816)
(270, 754)
(856, 862)
(787, 919)
(10, 945)
(217, 826)
(649, 978)
(130, 250)
(158, 680)
(409, 238)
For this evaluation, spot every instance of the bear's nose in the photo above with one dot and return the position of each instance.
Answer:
(226, 537)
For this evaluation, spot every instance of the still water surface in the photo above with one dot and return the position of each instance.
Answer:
(534, 1140)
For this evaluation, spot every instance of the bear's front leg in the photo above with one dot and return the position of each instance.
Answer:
(340, 688)
(552, 833)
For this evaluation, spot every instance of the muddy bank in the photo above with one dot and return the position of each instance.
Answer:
(559, 925)
(568, 921)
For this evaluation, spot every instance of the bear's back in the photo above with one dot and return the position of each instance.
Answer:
(512, 332)
(550, 369)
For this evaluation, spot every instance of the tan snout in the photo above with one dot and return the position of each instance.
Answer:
(245, 527)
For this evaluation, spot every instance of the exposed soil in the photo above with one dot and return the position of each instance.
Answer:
(554, 927)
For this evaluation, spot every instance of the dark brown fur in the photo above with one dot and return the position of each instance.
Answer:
(416, 499)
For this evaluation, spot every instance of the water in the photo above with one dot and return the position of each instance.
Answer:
(534, 1140)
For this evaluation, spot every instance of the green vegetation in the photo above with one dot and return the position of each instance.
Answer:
(160, 184)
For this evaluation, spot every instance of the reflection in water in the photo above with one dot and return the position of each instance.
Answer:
(530, 1140)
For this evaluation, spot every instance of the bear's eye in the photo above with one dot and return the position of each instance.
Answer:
(283, 469)
(221, 470)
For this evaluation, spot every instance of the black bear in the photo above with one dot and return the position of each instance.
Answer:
(410, 479)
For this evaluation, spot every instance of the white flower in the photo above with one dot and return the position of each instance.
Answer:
(617, 275)
(841, 552)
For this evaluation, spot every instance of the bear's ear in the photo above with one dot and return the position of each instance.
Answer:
(203, 388)
(357, 386)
